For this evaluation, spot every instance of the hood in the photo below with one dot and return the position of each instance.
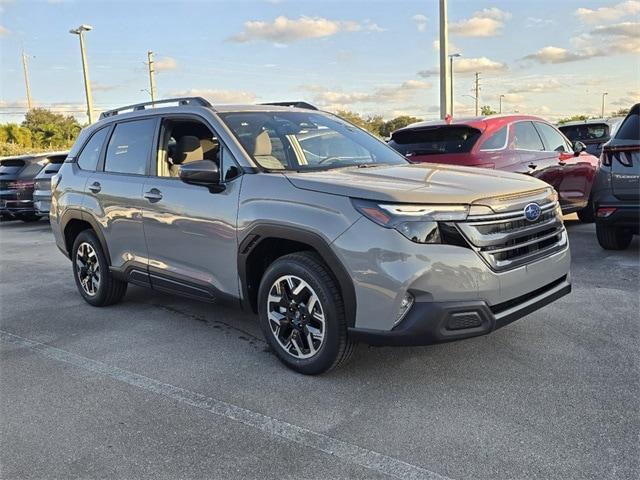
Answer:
(425, 183)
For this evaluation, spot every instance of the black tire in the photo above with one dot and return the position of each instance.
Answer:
(611, 237)
(29, 217)
(587, 214)
(336, 348)
(109, 289)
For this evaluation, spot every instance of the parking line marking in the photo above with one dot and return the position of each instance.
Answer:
(345, 451)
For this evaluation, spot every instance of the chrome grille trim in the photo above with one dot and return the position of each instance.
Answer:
(508, 240)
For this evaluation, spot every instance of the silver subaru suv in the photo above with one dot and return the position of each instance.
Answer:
(325, 232)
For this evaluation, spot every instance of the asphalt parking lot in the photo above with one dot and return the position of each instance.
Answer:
(162, 387)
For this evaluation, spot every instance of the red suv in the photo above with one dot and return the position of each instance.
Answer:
(515, 143)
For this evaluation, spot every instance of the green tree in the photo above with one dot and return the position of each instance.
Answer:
(49, 129)
(623, 112)
(487, 110)
(573, 118)
(15, 134)
(394, 124)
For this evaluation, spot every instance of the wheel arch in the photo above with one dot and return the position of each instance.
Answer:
(75, 222)
(264, 243)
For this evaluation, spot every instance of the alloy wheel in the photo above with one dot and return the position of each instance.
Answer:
(88, 268)
(296, 317)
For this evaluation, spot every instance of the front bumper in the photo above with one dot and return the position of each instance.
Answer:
(438, 322)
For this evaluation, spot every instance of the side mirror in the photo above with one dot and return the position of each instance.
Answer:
(578, 147)
(201, 172)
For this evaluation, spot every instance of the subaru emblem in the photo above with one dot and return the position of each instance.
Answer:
(532, 212)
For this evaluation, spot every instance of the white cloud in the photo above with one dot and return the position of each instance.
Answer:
(165, 64)
(469, 65)
(338, 99)
(452, 47)
(4, 31)
(484, 23)
(284, 30)
(218, 96)
(101, 87)
(608, 14)
(548, 85)
(554, 55)
(420, 21)
(625, 29)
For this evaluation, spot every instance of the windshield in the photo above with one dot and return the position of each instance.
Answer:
(304, 141)
(435, 140)
(592, 131)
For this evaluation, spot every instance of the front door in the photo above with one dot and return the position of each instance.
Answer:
(190, 230)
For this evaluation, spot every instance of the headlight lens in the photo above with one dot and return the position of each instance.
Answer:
(419, 223)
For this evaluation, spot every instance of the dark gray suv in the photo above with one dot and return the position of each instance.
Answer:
(323, 230)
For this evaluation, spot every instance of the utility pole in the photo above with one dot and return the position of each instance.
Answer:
(604, 94)
(501, 97)
(85, 68)
(477, 92)
(152, 77)
(26, 79)
(445, 95)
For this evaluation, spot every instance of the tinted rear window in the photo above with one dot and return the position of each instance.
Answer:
(435, 140)
(593, 131)
(10, 167)
(630, 128)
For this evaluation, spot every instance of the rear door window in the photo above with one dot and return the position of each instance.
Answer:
(435, 140)
(526, 137)
(88, 159)
(130, 146)
(630, 128)
(553, 140)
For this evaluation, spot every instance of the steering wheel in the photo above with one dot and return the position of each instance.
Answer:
(329, 159)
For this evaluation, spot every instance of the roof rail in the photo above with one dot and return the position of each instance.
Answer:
(306, 105)
(181, 101)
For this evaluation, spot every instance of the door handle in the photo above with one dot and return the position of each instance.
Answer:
(153, 195)
(95, 187)
(532, 166)
(562, 163)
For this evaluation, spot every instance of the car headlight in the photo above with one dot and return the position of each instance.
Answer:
(418, 223)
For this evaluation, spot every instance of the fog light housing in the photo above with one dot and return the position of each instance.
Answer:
(405, 305)
(604, 212)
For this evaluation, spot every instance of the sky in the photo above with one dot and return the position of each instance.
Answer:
(552, 58)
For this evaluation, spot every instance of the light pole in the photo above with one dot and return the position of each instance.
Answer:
(451, 57)
(604, 94)
(500, 109)
(444, 66)
(85, 68)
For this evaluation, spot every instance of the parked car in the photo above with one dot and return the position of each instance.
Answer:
(514, 143)
(325, 232)
(594, 133)
(42, 184)
(17, 181)
(616, 191)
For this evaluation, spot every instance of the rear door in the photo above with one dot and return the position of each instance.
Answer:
(624, 155)
(114, 193)
(576, 173)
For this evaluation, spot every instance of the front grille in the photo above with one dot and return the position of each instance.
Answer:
(509, 240)
(4, 184)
